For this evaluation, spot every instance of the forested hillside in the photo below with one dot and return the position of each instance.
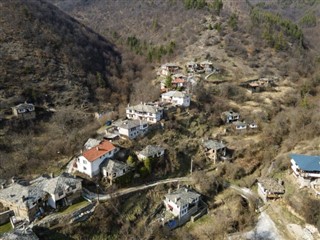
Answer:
(48, 57)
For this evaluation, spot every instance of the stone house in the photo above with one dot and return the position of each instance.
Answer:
(214, 149)
(270, 189)
(28, 200)
(168, 69)
(113, 169)
(151, 151)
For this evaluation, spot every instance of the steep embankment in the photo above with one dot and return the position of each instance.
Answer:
(46, 56)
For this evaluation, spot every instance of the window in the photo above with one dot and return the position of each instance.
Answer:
(84, 168)
(84, 161)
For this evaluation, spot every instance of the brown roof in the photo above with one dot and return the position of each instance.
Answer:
(179, 80)
(271, 185)
(92, 154)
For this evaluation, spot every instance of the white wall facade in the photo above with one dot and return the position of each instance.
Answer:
(92, 168)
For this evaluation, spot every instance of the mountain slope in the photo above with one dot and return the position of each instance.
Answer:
(48, 56)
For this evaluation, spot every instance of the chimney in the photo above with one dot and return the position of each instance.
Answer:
(2, 186)
(52, 175)
(169, 190)
(178, 186)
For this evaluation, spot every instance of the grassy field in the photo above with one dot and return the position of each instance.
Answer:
(5, 228)
(75, 207)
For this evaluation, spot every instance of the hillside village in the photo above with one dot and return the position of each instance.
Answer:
(193, 119)
(109, 162)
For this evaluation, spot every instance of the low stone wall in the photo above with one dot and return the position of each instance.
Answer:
(56, 219)
(5, 216)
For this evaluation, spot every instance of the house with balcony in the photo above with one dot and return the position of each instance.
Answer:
(270, 189)
(89, 161)
(183, 205)
(132, 128)
(147, 112)
(305, 168)
(176, 98)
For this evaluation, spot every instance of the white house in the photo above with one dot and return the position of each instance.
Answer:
(143, 111)
(62, 190)
(240, 125)
(90, 160)
(182, 202)
(132, 128)
(305, 166)
(114, 169)
(176, 98)
(151, 151)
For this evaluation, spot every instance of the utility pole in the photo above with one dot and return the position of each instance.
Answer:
(97, 185)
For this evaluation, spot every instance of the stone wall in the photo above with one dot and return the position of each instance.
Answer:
(5, 216)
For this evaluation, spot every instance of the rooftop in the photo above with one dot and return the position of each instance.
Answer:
(60, 183)
(151, 150)
(178, 80)
(18, 234)
(239, 124)
(145, 108)
(174, 94)
(230, 113)
(114, 166)
(271, 185)
(128, 124)
(26, 196)
(24, 106)
(214, 144)
(182, 196)
(91, 142)
(306, 162)
(94, 153)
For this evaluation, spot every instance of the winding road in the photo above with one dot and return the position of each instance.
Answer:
(104, 197)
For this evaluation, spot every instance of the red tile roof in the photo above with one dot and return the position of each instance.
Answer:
(94, 153)
(179, 80)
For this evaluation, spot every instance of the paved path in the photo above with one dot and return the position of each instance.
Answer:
(103, 197)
